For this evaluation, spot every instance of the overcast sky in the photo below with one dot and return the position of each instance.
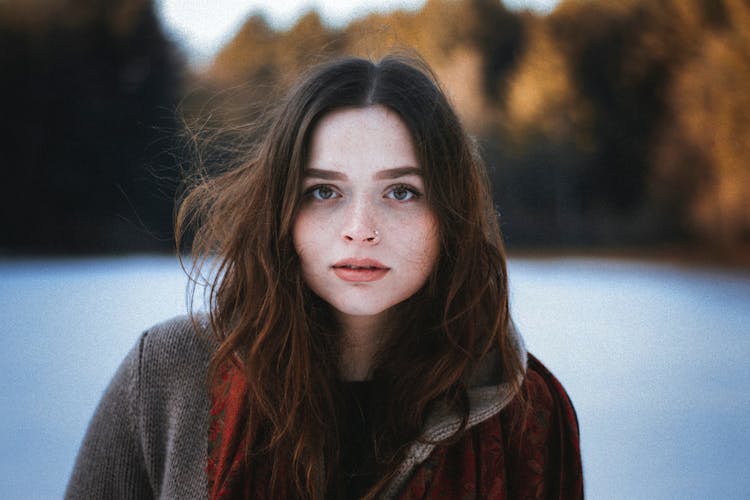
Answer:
(203, 27)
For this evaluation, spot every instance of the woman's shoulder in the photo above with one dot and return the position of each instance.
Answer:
(154, 413)
(174, 401)
(541, 400)
(529, 449)
(540, 440)
(545, 392)
(548, 435)
(179, 342)
(172, 360)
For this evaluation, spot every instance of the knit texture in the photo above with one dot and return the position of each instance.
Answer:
(147, 438)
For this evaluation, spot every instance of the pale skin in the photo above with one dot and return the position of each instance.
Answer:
(366, 237)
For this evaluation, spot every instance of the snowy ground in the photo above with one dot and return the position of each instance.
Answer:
(655, 358)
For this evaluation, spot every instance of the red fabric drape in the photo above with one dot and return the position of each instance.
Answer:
(534, 457)
(226, 421)
(502, 458)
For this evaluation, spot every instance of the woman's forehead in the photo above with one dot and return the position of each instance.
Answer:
(371, 138)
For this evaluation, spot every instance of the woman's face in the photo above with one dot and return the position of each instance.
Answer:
(365, 235)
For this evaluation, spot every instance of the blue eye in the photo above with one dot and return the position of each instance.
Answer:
(402, 193)
(322, 193)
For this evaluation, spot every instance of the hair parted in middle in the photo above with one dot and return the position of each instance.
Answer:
(286, 339)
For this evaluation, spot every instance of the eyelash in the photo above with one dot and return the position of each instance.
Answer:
(313, 189)
(314, 192)
(414, 193)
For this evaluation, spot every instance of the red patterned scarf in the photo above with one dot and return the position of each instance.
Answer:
(226, 456)
(497, 459)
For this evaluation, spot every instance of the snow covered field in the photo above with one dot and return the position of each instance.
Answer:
(655, 357)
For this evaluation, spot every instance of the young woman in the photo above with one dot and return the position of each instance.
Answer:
(358, 342)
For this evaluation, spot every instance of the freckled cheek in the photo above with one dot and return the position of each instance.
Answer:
(418, 241)
(432, 243)
(301, 236)
(309, 263)
(311, 242)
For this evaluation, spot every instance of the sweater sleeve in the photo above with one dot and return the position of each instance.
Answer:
(111, 462)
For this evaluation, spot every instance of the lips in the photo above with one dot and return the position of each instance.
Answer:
(360, 270)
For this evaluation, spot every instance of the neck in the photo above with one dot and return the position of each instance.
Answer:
(361, 339)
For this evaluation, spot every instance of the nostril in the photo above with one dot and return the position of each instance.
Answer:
(363, 236)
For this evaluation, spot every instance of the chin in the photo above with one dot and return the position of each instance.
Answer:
(359, 309)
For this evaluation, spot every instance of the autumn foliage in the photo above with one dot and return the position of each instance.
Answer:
(605, 122)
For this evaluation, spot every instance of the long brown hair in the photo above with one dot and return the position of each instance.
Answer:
(285, 338)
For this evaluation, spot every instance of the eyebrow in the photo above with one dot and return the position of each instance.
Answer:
(395, 173)
(329, 175)
(391, 173)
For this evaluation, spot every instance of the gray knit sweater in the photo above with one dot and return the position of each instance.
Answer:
(148, 437)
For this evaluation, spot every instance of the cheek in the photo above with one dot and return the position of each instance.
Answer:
(432, 245)
(303, 230)
(310, 242)
(301, 239)
(422, 243)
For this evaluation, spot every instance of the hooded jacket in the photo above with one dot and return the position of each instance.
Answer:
(148, 436)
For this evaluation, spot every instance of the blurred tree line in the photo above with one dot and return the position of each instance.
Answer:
(605, 122)
(88, 92)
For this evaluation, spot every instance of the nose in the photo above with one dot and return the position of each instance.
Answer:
(365, 236)
(360, 226)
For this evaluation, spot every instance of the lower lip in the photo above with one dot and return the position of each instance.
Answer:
(360, 275)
